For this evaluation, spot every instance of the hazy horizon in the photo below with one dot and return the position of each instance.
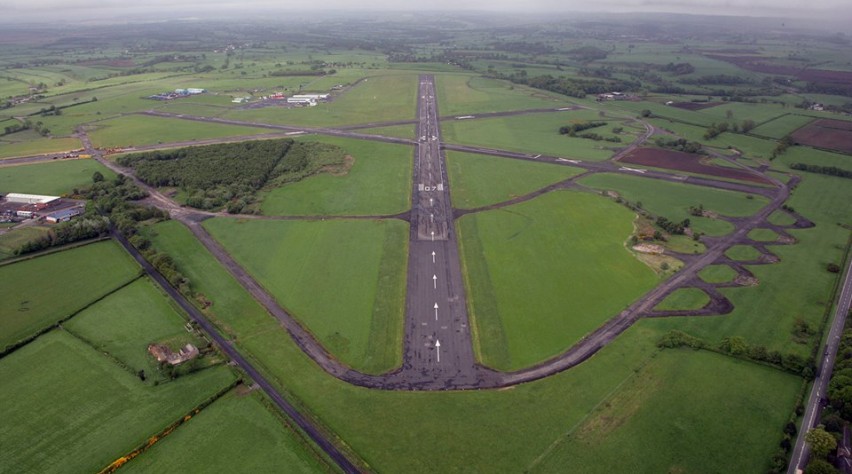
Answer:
(64, 11)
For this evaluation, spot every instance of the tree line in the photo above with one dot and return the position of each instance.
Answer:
(229, 175)
(826, 170)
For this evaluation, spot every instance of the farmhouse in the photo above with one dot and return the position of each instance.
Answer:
(163, 354)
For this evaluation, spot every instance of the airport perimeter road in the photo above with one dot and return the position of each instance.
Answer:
(799, 459)
(306, 425)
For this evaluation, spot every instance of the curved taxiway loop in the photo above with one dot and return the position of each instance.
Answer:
(438, 352)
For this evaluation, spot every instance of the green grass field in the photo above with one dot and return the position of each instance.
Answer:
(81, 402)
(781, 218)
(676, 410)
(538, 134)
(399, 131)
(799, 283)
(15, 238)
(37, 146)
(684, 299)
(344, 280)
(743, 253)
(237, 433)
(811, 156)
(39, 292)
(138, 130)
(125, 322)
(717, 274)
(749, 146)
(403, 432)
(782, 125)
(673, 200)
(464, 94)
(569, 247)
(52, 178)
(763, 235)
(479, 180)
(384, 95)
(379, 183)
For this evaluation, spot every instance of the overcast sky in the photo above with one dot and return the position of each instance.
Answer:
(34, 10)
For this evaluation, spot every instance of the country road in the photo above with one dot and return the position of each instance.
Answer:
(225, 346)
(819, 389)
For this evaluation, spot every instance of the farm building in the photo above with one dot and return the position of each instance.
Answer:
(63, 215)
(190, 91)
(163, 354)
(301, 100)
(29, 198)
(311, 96)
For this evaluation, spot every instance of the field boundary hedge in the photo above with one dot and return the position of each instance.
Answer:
(153, 439)
(10, 348)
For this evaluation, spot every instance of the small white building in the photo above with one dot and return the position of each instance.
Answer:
(30, 198)
(301, 101)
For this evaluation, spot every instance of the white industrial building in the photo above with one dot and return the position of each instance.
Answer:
(30, 198)
(313, 97)
(302, 100)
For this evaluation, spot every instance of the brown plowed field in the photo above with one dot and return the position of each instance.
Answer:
(688, 162)
(695, 105)
(839, 79)
(825, 133)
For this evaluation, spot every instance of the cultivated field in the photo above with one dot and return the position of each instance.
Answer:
(687, 162)
(831, 134)
(30, 288)
(236, 433)
(82, 401)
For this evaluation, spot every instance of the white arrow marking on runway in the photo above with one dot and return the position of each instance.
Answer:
(433, 256)
(433, 236)
(438, 347)
(436, 311)
(431, 217)
(431, 201)
(435, 281)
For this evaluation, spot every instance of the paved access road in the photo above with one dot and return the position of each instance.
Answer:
(819, 390)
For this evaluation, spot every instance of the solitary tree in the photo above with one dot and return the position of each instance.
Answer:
(97, 177)
(820, 441)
